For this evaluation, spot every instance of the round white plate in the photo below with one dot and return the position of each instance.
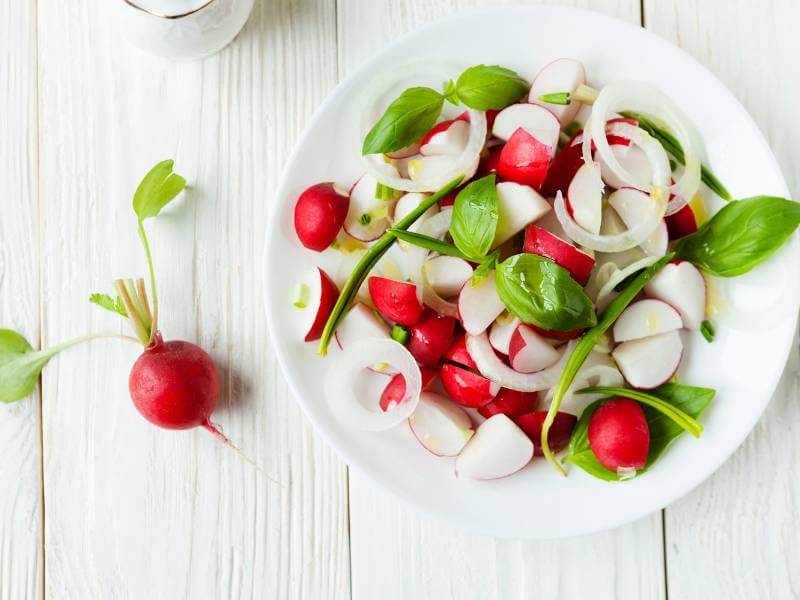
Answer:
(743, 364)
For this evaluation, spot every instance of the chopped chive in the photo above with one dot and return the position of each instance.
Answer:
(302, 294)
(365, 219)
(573, 128)
(561, 98)
(385, 193)
(400, 334)
(707, 329)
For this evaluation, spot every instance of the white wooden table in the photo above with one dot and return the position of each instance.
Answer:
(96, 503)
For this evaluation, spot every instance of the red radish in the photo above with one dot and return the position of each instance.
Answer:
(648, 362)
(489, 162)
(682, 286)
(440, 425)
(632, 205)
(491, 115)
(395, 390)
(561, 75)
(449, 200)
(328, 295)
(368, 216)
(562, 170)
(396, 300)
(528, 352)
(682, 223)
(502, 329)
(462, 385)
(554, 334)
(511, 403)
(447, 138)
(542, 242)
(430, 338)
(447, 275)
(319, 214)
(498, 449)
(619, 435)
(537, 121)
(479, 305)
(524, 159)
(558, 435)
(518, 205)
(585, 196)
(360, 323)
(645, 318)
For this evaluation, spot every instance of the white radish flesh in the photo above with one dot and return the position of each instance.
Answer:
(645, 318)
(585, 197)
(407, 203)
(360, 323)
(632, 159)
(561, 75)
(498, 449)
(648, 362)
(449, 142)
(440, 425)
(502, 329)
(633, 206)
(479, 305)
(368, 216)
(446, 275)
(518, 206)
(536, 120)
(682, 286)
(528, 352)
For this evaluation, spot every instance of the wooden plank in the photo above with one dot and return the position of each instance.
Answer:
(396, 553)
(21, 564)
(133, 511)
(738, 536)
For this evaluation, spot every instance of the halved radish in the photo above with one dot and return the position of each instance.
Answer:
(540, 241)
(557, 436)
(518, 205)
(536, 120)
(619, 435)
(323, 298)
(360, 323)
(632, 206)
(422, 167)
(396, 300)
(406, 152)
(368, 216)
(528, 352)
(561, 75)
(489, 161)
(462, 385)
(498, 448)
(524, 159)
(440, 425)
(395, 390)
(430, 338)
(631, 158)
(682, 286)
(319, 214)
(681, 223)
(648, 362)
(502, 329)
(645, 318)
(447, 275)
(446, 138)
(511, 403)
(554, 334)
(562, 170)
(408, 202)
(479, 305)
(585, 197)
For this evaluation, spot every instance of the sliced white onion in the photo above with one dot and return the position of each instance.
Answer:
(434, 301)
(435, 226)
(606, 293)
(600, 276)
(597, 369)
(615, 242)
(353, 390)
(496, 370)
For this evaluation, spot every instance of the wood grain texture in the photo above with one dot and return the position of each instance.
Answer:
(133, 511)
(396, 553)
(21, 564)
(738, 536)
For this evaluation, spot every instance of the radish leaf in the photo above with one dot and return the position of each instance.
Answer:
(158, 188)
(111, 304)
(405, 121)
(490, 87)
(20, 366)
(475, 215)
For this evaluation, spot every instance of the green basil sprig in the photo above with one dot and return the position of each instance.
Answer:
(743, 234)
(405, 121)
(475, 214)
(688, 401)
(587, 343)
(488, 87)
(540, 292)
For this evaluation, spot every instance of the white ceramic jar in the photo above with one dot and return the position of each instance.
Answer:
(180, 29)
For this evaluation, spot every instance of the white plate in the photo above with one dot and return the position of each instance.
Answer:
(743, 365)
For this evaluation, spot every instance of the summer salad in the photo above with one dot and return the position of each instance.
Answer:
(519, 268)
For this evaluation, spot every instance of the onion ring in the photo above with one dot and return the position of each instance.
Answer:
(604, 296)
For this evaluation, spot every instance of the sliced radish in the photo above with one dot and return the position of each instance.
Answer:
(406, 152)
(536, 120)
(524, 159)
(518, 206)
(648, 362)
(395, 390)
(440, 425)
(368, 216)
(554, 334)
(423, 168)
(557, 436)
(489, 161)
(447, 274)
(360, 323)
(502, 329)
(407, 203)
(632, 159)
(529, 353)
(462, 384)
(447, 138)
(540, 241)
(562, 170)
(585, 196)
(479, 305)
(645, 318)
(682, 223)
(682, 286)
(633, 206)
(498, 448)
(619, 435)
(396, 300)
(511, 403)
(323, 299)
(319, 214)
(561, 75)
(430, 338)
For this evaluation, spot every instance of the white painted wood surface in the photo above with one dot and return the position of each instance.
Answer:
(83, 116)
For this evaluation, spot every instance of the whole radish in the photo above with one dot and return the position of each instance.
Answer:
(619, 435)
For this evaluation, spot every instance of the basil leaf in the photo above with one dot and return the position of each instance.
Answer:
(475, 215)
(405, 121)
(20, 366)
(111, 304)
(486, 267)
(540, 292)
(158, 188)
(490, 87)
(663, 430)
(743, 234)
